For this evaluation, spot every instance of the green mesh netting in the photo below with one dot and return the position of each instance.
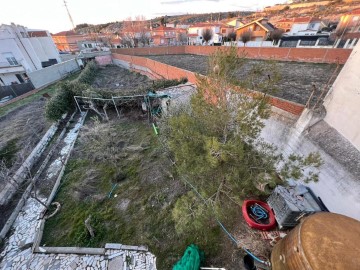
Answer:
(191, 260)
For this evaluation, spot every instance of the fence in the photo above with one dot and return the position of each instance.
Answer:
(51, 74)
(313, 55)
(15, 90)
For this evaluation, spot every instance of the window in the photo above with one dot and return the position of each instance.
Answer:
(11, 59)
(223, 31)
(90, 46)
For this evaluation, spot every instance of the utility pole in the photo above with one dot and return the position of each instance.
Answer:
(68, 12)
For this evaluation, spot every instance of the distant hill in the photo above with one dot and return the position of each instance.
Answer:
(329, 11)
(114, 27)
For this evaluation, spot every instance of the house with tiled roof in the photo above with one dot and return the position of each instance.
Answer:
(348, 29)
(163, 35)
(67, 41)
(219, 30)
(260, 29)
(234, 22)
(306, 26)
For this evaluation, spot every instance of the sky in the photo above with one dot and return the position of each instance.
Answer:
(51, 14)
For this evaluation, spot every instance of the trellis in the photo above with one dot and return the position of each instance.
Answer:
(129, 98)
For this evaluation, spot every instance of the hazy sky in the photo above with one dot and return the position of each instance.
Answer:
(51, 14)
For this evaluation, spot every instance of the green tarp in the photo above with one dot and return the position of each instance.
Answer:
(191, 260)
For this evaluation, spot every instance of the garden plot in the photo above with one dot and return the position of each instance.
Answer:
(120, 177)
(121, 81)
(297, 79)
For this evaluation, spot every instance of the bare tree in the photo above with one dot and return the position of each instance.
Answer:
(135, 31)
(182, 38)
(276, 35)
(232, 36)
(246, 36)
(207, 34)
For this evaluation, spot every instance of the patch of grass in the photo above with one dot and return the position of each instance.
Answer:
(48, 90)
(8, 152)
(139, 214)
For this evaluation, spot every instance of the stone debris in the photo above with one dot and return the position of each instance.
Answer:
(24, 231)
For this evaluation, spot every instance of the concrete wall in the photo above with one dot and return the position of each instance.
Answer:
(313, 55)
(343, 100)
(338, 187)
(53, 73)
(49, 48)
(103, 60)
(10, 45)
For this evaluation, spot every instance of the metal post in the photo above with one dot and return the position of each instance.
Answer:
(118, 114)
(78, 105)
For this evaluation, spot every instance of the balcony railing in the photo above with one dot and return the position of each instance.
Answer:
(7, 64)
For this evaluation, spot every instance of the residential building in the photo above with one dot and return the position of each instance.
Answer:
(348, 29)
(303, 32)
(305, 26)
(260, 29)
(163, 35)
(234, 22)
(67, 41)
(22, 51)
(219, 30)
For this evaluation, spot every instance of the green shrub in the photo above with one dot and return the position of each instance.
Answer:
(88, 74)
(159, 84)
(63, 100)
(7, 153)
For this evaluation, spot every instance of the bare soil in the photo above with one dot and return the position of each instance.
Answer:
(296, 83)
(121, 81)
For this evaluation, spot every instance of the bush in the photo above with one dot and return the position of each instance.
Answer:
(88, 74)
(63, 99)
(159, 84)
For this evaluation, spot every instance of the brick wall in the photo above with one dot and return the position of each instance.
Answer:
(157, 70)
(314, 55)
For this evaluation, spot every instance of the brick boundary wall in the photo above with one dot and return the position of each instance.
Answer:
(312, 55)
(157, 70)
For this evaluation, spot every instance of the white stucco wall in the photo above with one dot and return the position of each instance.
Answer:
(337, 187)
(8, 78)
(10, 45)
(343, 100)
(49, 48)
(29, 50)
(53, 73)
(40, 53)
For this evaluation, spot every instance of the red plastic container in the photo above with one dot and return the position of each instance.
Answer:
(266, 225)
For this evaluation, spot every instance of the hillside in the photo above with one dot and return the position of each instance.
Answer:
(329, 11)
(114, 27)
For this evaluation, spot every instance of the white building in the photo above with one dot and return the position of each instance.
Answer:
(22, 51)
(219, 30)
(305, 26)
